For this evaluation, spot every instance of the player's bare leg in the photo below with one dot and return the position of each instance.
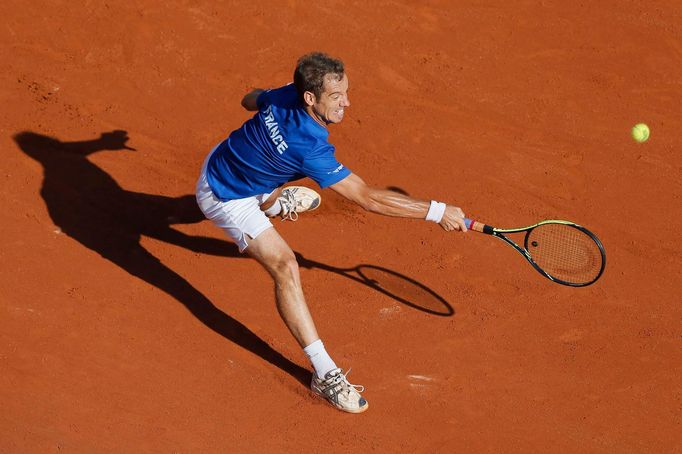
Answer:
(279, 260)
(328, 381)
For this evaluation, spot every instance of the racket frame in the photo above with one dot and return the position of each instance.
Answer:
(499, 233)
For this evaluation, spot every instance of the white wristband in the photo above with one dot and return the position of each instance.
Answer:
(436, 212)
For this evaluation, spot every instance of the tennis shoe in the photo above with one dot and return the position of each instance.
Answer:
(336, 389)
(297, 199)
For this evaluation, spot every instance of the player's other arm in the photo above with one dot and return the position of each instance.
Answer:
(391, 203)
(249, 99)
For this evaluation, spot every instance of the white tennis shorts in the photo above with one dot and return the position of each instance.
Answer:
(240, 219)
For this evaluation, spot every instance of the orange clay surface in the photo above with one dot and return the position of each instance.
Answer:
(128, 324)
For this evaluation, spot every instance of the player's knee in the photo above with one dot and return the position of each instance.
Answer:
(285, 266)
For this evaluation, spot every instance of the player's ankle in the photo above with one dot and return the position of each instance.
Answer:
(319, 358)
(274, 210)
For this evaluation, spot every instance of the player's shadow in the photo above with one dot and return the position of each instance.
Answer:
(88, 205)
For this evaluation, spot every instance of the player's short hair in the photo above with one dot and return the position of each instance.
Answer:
(311, 69)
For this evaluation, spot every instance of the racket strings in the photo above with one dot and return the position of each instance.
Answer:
(565, 253)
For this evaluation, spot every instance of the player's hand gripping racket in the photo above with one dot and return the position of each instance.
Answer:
(562, 251)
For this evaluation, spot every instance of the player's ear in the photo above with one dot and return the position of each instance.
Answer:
(309, 98)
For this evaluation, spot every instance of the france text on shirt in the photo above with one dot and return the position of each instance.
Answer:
(273, 127)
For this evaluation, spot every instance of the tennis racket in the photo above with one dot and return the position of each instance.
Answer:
(563, 252)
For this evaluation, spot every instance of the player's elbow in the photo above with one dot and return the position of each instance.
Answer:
(249, 104)
(369, 202)
(356, 191)
(372, 206)
(250, 100)
(363, 200)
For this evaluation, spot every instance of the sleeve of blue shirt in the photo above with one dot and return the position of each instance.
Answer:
(322, 167)
(263, 99)
(286, 94)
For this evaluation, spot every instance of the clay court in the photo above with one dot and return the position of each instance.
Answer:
(129, 324)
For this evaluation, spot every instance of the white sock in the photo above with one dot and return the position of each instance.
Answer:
(274, 210)
(322, 362)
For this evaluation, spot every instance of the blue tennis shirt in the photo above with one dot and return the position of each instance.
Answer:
(281, 143)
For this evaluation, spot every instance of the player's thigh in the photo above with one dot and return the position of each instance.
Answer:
(270, 249)
(241, 219)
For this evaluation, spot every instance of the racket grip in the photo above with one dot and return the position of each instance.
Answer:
(477, 226)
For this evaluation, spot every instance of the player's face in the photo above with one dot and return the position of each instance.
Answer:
(333, 101)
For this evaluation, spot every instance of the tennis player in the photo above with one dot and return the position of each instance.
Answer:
(241, 187)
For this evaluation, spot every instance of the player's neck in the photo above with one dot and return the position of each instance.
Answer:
(316, 116)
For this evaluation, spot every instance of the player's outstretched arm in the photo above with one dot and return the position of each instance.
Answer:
(249, 99)
(391, 203)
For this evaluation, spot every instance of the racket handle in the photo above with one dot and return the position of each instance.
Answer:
(477, 226)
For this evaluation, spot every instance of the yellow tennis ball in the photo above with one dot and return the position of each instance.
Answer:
(640, 132)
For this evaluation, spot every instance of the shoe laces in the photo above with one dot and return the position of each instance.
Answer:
(289, 203)
(340, 379)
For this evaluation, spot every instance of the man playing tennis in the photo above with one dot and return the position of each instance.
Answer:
(240, 188)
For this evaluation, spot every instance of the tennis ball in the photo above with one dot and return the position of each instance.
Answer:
(640, 132)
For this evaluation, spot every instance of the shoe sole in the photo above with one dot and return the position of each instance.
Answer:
(338, 407)
(315, 204)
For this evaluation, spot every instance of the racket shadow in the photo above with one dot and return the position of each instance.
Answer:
(393, 284)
